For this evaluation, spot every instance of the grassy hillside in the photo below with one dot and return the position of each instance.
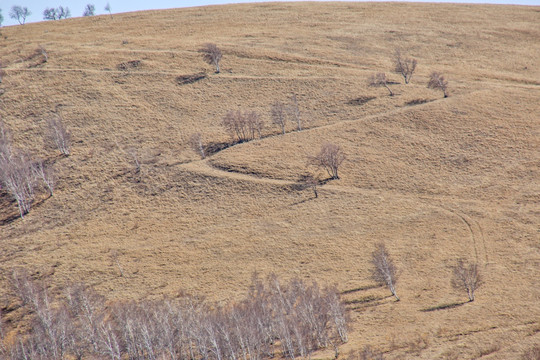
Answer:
(448, 178)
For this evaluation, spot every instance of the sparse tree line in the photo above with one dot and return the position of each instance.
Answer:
(289, 319)
(20, 13)
(22, 175)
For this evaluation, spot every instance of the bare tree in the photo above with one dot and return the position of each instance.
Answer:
(45, 173)
(254, 123)
(196, 144)
(108, 9)
(59, 136)
(211, 55)
(384, 271)
(295, 114)
(329, 158)
(89, 10)
(309, 181)
(438, 82)
(243, 126)
(404, 66)
(19, 13)
(379, 80)
(17, 178)
(466, 277)
(278, 114)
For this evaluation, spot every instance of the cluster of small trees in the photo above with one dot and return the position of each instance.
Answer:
(406, 68)
(291, 319)
(249, 125)
(56, 13)
(243, 125)
(21, 175)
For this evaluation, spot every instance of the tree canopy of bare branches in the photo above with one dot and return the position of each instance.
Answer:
(243, 125)
(384, 271)
(467, 277)
(380, 80)
(89, 10)
(211, 55)
(56, 13)
(196, 144)
(438, 82)
(59, 136)
(19, 13)
(278, 113)
(46, 173)
(296, 115)
(109, 9)
(404, 66)
(329, 158)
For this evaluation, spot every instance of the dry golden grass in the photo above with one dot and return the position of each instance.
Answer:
(449, 178)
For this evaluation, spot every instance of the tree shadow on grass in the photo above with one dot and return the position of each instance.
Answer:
(444, 306)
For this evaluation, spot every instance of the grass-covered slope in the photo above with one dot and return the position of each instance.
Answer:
(447, 178)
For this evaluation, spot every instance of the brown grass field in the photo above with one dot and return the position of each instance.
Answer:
(455, 177)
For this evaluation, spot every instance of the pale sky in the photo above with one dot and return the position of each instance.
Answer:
(117, 6)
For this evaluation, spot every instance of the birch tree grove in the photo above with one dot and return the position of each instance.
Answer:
(289, 319)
